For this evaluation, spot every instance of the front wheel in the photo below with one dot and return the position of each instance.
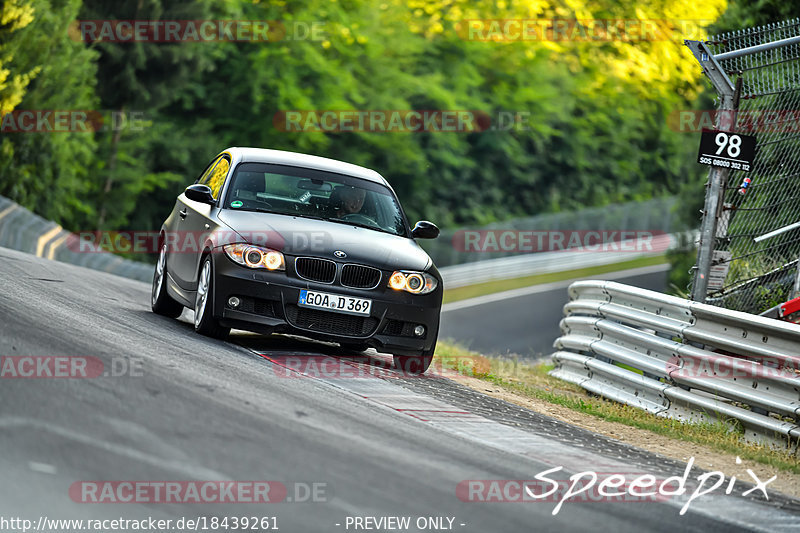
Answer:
(204, 321)
(161, 302)
(412, 364)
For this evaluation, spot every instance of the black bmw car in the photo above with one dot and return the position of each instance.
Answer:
(271, 241)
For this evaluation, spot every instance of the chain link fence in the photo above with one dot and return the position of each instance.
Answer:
(749, 250)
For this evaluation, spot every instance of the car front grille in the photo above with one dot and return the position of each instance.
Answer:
(314, 269)
(360, 277)
(334, 323)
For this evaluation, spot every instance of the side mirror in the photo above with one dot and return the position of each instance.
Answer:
(199, 193)
(425, 230)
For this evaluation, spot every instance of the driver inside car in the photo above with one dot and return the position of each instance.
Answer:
(347, 200)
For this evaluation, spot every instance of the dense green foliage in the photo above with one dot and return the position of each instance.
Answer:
(47, 172)
(595, 127)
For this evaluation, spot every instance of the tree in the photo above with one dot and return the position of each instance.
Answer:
(45, 171)
(140, 78)
(16, 15)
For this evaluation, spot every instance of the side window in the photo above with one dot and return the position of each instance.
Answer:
(203, 180)
(217, 178)
(214, 177)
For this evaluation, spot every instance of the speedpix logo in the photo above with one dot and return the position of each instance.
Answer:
(589, 486)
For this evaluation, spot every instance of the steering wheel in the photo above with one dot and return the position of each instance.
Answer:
(263, 203)
(361, 219)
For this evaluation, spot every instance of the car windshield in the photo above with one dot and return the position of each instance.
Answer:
(314, 194)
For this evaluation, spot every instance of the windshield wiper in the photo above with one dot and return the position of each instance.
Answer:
(360, 225)
(266, 210)
(258, 209)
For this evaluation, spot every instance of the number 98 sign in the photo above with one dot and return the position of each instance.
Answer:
(727, 150)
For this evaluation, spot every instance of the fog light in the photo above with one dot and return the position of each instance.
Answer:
(419, 331)
(233, 301)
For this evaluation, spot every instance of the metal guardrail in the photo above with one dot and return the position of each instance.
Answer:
(545, 262)
(657, 215)
(27, 232)
(682, 359)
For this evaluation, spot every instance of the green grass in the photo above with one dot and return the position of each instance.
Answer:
(533, 381)
(490, 287)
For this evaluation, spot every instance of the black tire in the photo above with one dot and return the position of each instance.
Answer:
(354, 346)
(412, 364)
(160, 301)
(204, 321)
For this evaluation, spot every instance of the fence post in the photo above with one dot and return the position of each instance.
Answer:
(717, 176)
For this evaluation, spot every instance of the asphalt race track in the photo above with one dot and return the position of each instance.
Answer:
(374, 443)
(525, 321)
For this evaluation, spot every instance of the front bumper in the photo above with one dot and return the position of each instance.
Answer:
(269, 305)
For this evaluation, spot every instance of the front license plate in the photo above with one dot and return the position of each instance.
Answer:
(334, 302)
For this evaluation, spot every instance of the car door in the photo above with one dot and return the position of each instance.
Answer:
(193, 222)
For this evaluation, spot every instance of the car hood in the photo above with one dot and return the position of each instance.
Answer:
(319, 238)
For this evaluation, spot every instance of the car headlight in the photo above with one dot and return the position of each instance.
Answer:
(414, 282)
(255, 256)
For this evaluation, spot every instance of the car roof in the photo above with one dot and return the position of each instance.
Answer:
(281, 157)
